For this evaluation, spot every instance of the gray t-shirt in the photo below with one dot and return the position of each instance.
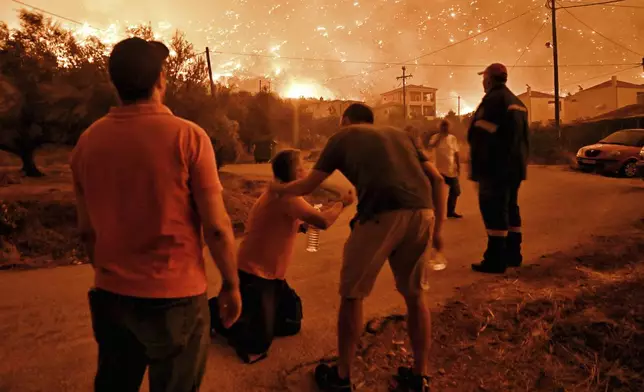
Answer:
(383, 164)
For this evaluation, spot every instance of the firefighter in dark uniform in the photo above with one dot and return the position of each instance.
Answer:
(498, 139)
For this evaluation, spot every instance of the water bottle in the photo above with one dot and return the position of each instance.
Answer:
(313, 239)
(437, 260)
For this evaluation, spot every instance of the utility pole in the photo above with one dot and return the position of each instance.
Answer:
(269, 87)
(404, 78)
(555, 58)
(212, 82)
(459, 106)
(260, 85)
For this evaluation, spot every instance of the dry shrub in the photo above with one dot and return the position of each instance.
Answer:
(40, 230)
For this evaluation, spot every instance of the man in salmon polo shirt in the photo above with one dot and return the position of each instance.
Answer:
(146, 184)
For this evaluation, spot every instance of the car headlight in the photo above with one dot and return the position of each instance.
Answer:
(642, 153)
(614, 154)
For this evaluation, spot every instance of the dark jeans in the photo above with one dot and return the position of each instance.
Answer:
(168, 335)
(499, 205)
(270, 308)
(255, 329)
(454, 192)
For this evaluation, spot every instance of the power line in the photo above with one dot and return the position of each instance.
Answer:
(592, 4)
(599, 33)
(529, 44)
(601, 76)
(476, 35)
(629, 6)
(388, 63)
(445, 47)
(56, 15)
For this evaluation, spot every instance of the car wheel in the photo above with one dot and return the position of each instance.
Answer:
(629, 170)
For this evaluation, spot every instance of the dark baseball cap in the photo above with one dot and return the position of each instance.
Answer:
(495, 70)
(135, 65)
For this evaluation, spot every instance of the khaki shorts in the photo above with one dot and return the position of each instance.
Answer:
(403, 237)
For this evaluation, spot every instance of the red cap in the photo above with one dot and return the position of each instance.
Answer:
(495, 69)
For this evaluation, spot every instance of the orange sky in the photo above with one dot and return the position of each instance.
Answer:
(385, 31)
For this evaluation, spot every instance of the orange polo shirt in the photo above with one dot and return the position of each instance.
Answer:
(267, 248)
(136, 169)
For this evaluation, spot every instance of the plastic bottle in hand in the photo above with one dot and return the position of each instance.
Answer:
(313, 239)
(437, 260)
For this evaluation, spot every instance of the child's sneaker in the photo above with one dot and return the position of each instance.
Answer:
(410, 382)
(328, 379)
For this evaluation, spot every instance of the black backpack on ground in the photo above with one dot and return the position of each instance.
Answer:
(250, 335)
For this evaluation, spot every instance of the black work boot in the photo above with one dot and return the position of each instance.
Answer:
(328, 379)
(513, 249)
(409, 382)
(493, 258)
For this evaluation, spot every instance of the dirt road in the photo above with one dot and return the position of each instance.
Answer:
(44, 323)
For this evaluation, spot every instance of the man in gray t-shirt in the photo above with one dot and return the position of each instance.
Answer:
(401, 207)
(384, 165)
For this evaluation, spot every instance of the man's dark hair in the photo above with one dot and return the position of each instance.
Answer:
(283, 164)
(358, 113)
(135, 66)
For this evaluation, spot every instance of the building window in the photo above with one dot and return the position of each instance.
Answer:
(428, 97)
(415, 97)
(429, 111)
(415, 110)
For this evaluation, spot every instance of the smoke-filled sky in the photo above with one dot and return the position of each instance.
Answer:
(381, 31)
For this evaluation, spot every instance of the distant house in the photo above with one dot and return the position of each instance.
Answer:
(602, 98)
(421, 102)
(541, 106)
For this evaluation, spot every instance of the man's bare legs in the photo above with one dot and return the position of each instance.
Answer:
(419, 325)
(349, 330)
(350, 325)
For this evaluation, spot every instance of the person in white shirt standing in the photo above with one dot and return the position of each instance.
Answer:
(446, 153)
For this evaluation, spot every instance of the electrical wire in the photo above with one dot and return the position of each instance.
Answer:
(629, 6)
(56, 15)
(390, 64)
(475, 35)
(578, 82)
(591, 4)
(529, 44)
(277, 57)
(445, 47)
(599, 33)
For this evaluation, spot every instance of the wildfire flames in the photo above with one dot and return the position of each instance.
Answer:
(354, 49)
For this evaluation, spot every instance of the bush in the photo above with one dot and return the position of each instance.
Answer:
(546, 148)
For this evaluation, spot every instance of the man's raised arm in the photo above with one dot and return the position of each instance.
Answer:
(301, 187)
(328, 162)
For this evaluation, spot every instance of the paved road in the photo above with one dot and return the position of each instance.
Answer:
(44, 323)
